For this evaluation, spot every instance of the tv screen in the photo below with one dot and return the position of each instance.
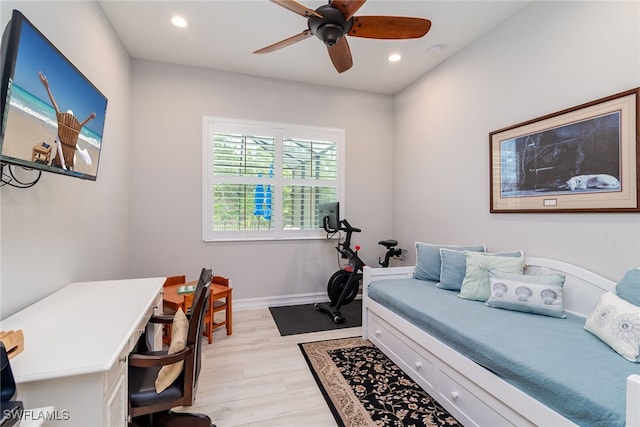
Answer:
(329, 216)
(52, 115)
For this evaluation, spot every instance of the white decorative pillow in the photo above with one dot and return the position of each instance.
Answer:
(537, 294)
(617, 323)
(179, 330)
(475, 285)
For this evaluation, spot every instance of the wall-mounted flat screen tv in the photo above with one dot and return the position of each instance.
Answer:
(52, 115)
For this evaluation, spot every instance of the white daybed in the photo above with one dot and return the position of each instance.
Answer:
(473, 394)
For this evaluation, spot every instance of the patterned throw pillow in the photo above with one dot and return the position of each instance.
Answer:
(537, 294)
(617, 323)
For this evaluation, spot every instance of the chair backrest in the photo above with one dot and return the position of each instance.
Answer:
(220, 280)
(205, 277)
(7, 382)
(194, 336)
(175, 280)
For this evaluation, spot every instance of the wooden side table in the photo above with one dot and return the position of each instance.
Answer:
(41, 153)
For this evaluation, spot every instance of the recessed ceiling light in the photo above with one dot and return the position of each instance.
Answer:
(179, 22)
(394, 57)
(436, 49)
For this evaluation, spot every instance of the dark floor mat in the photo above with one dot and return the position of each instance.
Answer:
(301, 319)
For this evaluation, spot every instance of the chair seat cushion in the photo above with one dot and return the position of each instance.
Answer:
(182, 419)
(142, 388)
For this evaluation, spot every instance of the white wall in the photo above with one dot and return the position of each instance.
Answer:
(169, 102)
(66, 229)
(548, 57)
(143, 215)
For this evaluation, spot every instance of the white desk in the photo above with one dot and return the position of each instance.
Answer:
(76, 345)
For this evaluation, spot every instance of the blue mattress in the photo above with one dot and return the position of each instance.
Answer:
(553, 360)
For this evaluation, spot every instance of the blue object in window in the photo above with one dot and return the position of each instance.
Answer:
(258, 199)
(267, 211)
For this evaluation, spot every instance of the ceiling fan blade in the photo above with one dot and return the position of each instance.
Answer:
(296, 7)
(389, 27)
(286, 42)
(340, 55)
(348, 7)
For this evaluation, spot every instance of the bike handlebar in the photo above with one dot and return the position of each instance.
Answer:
(348, 228)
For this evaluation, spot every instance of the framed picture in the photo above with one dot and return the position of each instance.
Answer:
(583, 159)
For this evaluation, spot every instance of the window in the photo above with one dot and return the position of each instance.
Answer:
(266, 180)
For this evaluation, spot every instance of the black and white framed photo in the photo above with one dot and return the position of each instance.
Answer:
(582, 159)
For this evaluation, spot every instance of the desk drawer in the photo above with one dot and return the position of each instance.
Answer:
(154, 308)
(116, 371)
(115, 398)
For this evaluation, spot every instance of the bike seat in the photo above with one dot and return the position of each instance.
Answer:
(388, 243)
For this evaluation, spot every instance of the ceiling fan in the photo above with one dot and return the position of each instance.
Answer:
(332, 22)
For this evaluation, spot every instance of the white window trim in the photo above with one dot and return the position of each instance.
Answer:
(292, 131)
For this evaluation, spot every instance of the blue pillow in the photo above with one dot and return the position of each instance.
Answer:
(454, 267)
(428, 262)
(629, 287)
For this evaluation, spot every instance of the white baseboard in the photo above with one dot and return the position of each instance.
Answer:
(278, 301)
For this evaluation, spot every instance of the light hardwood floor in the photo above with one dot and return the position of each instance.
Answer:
(255, 377)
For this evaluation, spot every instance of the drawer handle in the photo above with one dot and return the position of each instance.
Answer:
(418, 365)
(378, 332)
(122, 359)
(454, 395)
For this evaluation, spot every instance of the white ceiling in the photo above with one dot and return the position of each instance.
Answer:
(223, 34)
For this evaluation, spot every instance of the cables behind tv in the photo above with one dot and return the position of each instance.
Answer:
(8, 177)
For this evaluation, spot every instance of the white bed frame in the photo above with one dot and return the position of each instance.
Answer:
(472, 394)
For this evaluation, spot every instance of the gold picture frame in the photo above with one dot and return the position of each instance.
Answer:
(582, 159)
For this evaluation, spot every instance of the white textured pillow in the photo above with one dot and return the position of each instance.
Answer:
(617, 323)
(537, 294)
(179, 331)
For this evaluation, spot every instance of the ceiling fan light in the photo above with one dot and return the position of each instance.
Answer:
(330, 33)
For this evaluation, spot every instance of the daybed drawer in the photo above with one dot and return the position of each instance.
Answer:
(417, 366)
(468, 403)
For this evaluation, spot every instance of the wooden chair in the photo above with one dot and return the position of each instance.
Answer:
(144, 368)
(68, 130)
(169, 310)
(219, 301)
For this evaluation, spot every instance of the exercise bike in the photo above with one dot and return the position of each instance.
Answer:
(344, 284)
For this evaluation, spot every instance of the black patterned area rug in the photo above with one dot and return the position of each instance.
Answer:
(365, 388)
